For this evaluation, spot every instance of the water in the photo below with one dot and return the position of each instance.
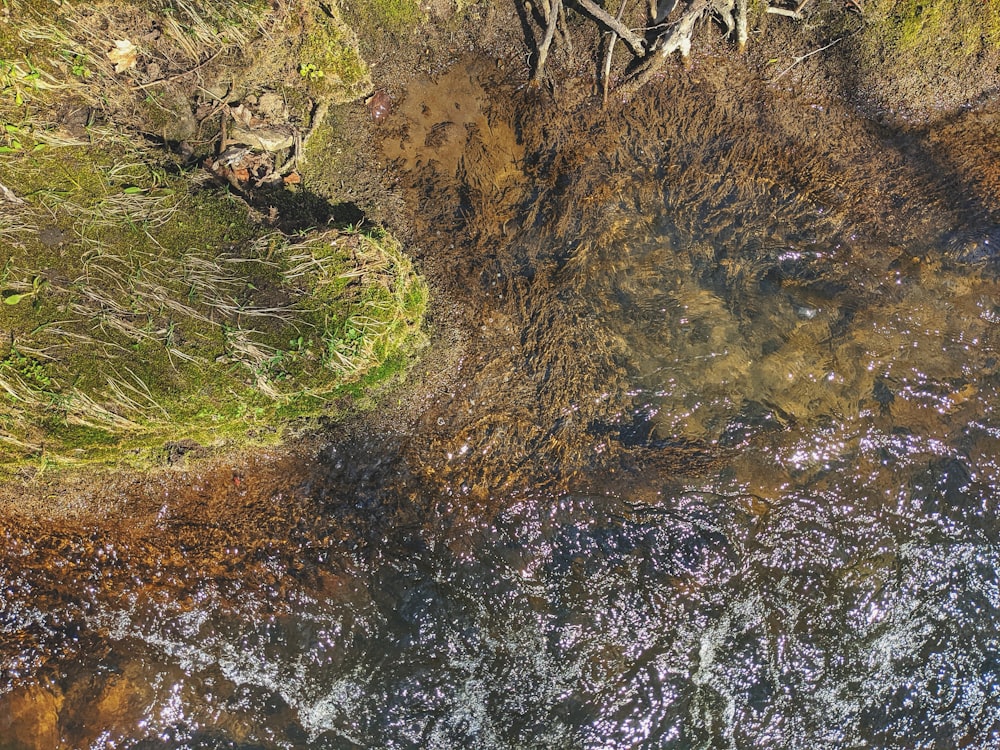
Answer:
(715, 467)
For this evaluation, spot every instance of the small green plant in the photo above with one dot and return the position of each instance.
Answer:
(30, 370)
(15, 296)
(310, 72)
(17, 78)
(16, 138)
(77, 62)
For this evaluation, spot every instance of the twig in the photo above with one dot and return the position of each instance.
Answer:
(606, 68)
(805, 56)
(543, 48)
(7, 193)
(635, 42)
(177, 75)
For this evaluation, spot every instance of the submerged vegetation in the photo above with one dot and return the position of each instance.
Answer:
(145, 300)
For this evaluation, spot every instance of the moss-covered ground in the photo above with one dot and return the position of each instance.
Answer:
(142, 302)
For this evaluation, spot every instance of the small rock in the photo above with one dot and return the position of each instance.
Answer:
(264, 139)
(272, 107)
(379, 106)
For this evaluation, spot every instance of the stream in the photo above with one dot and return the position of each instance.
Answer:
(715, 463)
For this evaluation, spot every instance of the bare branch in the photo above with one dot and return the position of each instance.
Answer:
(795, 12)
(550, 32)
(790, 12)
(633, 40)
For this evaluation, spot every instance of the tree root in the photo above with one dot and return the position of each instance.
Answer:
(552, 13)
(633, 40)
(606, 68)
(674, 36)
(676, 39)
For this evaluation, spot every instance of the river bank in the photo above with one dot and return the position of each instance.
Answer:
(660, 334)
(352, 166)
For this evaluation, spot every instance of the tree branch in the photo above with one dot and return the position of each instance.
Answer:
(550, 32)
(633, 40)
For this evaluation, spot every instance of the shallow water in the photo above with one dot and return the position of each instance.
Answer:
(720, 471)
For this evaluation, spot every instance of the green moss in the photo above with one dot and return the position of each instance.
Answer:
(397, 17)
(329, 60)
(928, 33)
(144, 313)
(139, 308)
(971, 26)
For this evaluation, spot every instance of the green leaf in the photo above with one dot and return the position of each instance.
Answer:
(133, 190)
(12, 128)
(13, 299)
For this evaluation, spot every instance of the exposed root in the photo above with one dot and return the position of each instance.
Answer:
(672, 36)
(633, 40)
(550, 32)
(676, 39)
(606, 68)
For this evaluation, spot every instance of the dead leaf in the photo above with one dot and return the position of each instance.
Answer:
(123, 55)
(293, 179)
(242, 115)
(241, 174)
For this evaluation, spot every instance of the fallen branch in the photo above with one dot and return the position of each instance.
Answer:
(633, 40)
(677, 39)
(795, 12)
(550, 32)
(789, 12)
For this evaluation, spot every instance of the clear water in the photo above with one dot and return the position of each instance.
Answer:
(780, 530)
